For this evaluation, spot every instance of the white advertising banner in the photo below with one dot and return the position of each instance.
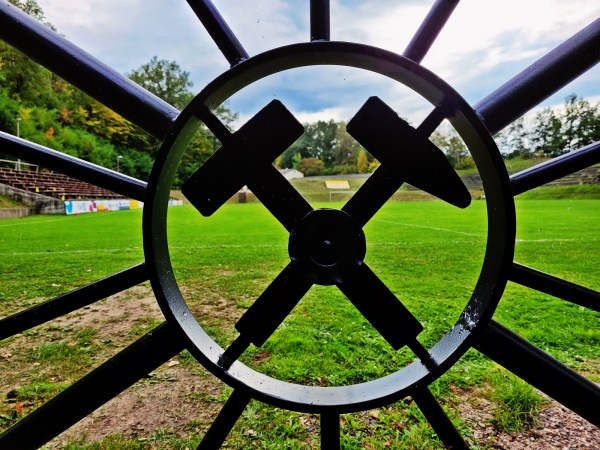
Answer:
(87, 206)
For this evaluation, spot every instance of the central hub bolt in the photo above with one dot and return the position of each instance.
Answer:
(324, 252)
(325, 243)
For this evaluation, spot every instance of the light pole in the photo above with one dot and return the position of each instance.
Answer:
(118, 160)
(18, 135)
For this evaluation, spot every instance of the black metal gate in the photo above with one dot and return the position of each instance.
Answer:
(326, 246)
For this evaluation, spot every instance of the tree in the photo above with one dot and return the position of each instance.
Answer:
(318, 141)
(166, 80)
(581, 123)
(345, 152)
(322, 136)
(514, 141)
(312, 167)
(455, 149)
(34, 10)
(362, 162)
(561, 130)
(291, 157)
(547, 136)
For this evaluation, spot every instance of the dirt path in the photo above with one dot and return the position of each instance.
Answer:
(183, 398)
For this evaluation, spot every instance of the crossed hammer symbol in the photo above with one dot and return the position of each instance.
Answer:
(326, 246)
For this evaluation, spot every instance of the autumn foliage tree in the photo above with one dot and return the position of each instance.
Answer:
(57, 115)
(312, 167)
(362, 162)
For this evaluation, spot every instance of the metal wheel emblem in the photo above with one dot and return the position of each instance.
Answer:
(327, 247)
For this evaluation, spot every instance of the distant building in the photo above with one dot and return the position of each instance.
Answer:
(290, 174)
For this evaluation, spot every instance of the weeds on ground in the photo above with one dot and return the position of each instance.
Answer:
(517, 403)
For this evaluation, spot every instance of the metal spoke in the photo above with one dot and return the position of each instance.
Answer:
(542, 79)
(225, 421)
(90, 75)
(373, 194)
(555, 168)
(438, 419)
(71, 301)
(554, 286)
(278, 196)
(95, 389)
(269, 310)
(425, 36)
(541, 370)
(445, 109)
(214, 124)
(254, 146)
(73, 167)
(219, 31)
(330, 431)
(319, 20)
(382, 308)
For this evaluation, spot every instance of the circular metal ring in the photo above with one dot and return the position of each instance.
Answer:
(488, 289)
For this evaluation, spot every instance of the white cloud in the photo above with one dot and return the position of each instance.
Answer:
(483, 44)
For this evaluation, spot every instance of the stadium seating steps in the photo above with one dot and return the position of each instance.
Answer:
(54, 185)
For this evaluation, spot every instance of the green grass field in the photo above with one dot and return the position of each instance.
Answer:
(428, 253)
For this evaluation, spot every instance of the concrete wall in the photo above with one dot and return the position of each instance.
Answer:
(15, 213)
(41, 204)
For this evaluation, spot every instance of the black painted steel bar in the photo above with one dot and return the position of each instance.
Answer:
(73, 167)
(95, 389)
(555, 168)
(277, 195)
(429, 30)
(381, 308)
(372, 195)
(269, 310)
(541, 370)
(71, 301)
(330, 431)
(214, 124)
(436, 117)
(320, 20)
(219, 31)
(438, 419)
(555, 286)
(541, 79)
(225, 421)
(81, 69)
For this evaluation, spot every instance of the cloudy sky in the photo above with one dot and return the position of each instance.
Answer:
(483, 45)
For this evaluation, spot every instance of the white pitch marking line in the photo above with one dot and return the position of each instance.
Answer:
(448, 230)
(430, 228)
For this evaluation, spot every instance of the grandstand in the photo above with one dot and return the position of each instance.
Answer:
(53, 185)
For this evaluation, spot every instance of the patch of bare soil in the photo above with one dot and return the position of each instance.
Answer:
(183, 398)
(114, 317)
(557, 428)
(171, 398)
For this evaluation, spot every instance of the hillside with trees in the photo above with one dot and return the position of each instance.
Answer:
(42, 108)
(326, 148)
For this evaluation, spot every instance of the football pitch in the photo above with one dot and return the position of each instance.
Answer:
(428, 253)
